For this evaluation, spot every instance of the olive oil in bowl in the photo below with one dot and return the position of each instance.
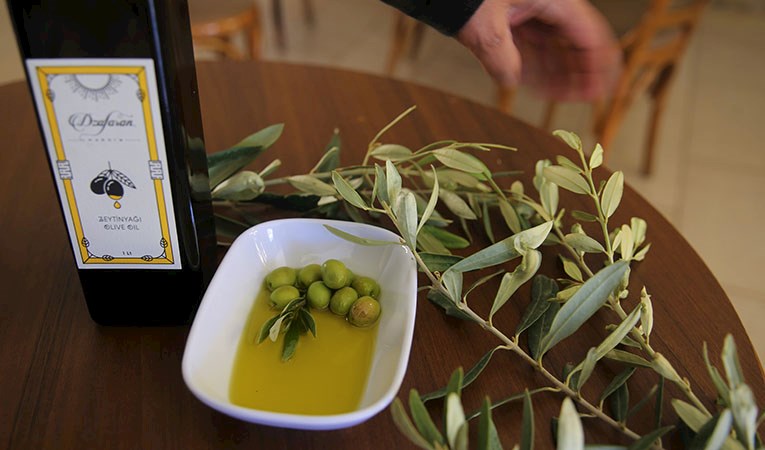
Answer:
(327, 374)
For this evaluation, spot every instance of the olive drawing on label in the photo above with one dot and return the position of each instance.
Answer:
(111, 182)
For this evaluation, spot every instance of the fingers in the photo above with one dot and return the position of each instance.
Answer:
(487, 35)
(588, 58)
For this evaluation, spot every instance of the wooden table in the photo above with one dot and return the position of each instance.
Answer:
(68, 383)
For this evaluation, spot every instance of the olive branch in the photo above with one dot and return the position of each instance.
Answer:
(409, 188)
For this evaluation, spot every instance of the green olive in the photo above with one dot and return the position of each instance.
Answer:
(364, 312)
(334, 274)
(283, 276)
(282, 295)
(309, 274)
(342, 300)
(349, 278)
(318, 295)
(366, 286)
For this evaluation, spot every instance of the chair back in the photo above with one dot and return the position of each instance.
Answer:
(652, 50)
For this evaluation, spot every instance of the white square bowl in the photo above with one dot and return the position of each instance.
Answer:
(220, 321)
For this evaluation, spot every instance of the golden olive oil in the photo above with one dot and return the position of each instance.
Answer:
(327, 374)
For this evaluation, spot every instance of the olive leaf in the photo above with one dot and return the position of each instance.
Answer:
(587, 366)
(539, 329)
(627, 242)
(221, 165)
(570, 434)
(583, 216)
(456, 205)
(311, 185)
(488, 438)
(510, 216)
(406, 427)
(391, 152)
(689, 414)
(448, 305)
(331, 158)
(569, 138)
(487, 227)
(460, 161)
(620, 402)
(543, 289)
(647, 441)
(548, 194)
(448, 239)
(455, 420)
(567, 178)
(695, 419)
(529, 265)
(744, 409)
(565, 162)
(380, 189)
(628, 358)
(270, 168)
(481, 281)
(393, 183)
(527, 423)
(534, 237)
(358, 240)
(723, 391)
(470, 376)
(438, 262)
(571, 269)
(618, 334)
(618, 380)
(406, 215)
(265, 330)
(646, 318)
(244, 185)
(347, 191)
(583, 243)
(328, 161)
(422, 420)
(429, 243)
(731, 363)
(291, 338)
(431, 202)
(456, 178)
(453, 282)
(639, 228)
(596, 159)
(436, 145)
(612, 193)
(497, 253)
(584, 303)
(721, 430)
(663, 367)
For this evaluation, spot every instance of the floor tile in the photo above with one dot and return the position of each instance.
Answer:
(730, 103)
(722, 215)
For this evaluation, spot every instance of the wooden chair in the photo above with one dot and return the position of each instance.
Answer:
(216, 24)
(652, 50)
(309, 17)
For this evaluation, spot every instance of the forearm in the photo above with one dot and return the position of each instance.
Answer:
(447, 16)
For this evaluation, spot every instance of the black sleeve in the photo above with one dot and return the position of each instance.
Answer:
(447, 16)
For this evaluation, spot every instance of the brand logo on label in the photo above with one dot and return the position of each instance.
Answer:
(87, 124)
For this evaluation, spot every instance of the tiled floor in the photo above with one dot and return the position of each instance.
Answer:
(710, 169)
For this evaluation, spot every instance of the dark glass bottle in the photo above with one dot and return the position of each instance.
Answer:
(114, 85)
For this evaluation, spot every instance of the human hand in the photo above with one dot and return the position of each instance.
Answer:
(563, 48)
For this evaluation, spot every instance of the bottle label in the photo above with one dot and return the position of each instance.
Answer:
(103, 130)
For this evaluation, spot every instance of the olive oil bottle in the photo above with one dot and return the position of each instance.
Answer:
(114, 87)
